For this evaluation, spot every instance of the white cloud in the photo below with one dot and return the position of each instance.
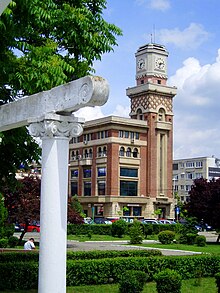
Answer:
(89, 113)
(196, 109)
(189, 38)
(121, 111)
(161, 5)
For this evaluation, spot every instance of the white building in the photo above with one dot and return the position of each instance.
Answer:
(185, 171)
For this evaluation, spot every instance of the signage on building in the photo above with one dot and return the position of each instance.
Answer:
(214, 172)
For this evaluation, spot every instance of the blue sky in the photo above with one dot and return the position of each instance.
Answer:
(190, 30)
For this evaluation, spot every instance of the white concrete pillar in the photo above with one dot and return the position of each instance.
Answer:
(55, 136)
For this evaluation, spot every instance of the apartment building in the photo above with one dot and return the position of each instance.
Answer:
(185, 171)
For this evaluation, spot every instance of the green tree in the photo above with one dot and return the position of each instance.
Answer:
(45, 43)
(3, 216)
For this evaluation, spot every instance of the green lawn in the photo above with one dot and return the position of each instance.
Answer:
(207, 285)
(103, 238)
(209, 248)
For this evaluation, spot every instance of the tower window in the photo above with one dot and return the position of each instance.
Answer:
(159, 81)
(142, 81)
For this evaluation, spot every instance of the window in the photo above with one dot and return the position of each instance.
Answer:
(127, 211)
(137, 211)
(87, 188)
(198, 175)
(99, 210)
(101, 171)
(161, 115)
(122, 151)
(182, 187)
(137, 136)
(189, 175)
(182, 175)
(128, 188)
(74, 188)
(132, 135)
(86, 173)
(74, 173)
(199, 164)
(127, 172)
(189, 164)
(128, 152)
(120, 133)
(175, 166)
(101, 187)
(188, 187)
(104, 151)
(135, 153)
(126, 134)
(139, 114)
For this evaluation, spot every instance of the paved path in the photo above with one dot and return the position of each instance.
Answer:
(120, 245)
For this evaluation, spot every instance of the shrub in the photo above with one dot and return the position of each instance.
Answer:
(12, 241)
(168, 281)
(190, 238)
(166, 237)
(119, 228)
(136, 234)
(217, 280)
(200, 240)
(132, 282)
(3, 242)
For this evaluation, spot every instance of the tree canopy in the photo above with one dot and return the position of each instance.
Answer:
(204, 201)
(45, 43)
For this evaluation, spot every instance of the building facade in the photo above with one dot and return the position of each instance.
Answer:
(123, 166)
(185, 171)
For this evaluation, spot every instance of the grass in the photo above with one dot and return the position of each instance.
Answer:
(213, 248)
(95, 237)
(207, 285)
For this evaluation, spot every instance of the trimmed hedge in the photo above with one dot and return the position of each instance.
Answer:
(27, 256)
(101, 271)
(85, 229)
(103, 229)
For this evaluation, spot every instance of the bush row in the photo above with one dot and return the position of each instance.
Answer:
(102, 271)
(24, 256)
(103, 229)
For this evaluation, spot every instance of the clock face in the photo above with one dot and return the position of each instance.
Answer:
(140, 63)
(160, 63)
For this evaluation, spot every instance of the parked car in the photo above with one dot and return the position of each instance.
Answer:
(18, 228)
(88, 220)
(32, 227)
(166, 222)
(102, 221)
(148, 221)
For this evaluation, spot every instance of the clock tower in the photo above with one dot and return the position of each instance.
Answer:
(152, 101)
(151, 64)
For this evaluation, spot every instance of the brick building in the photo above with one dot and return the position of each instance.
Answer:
(127, 162)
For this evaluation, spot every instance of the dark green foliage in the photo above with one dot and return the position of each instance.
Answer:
(12, 241)
(119, 228)
(205, 201)
(217, 280)
(190, 238)
(136, 233)
(18, 275)
(132, 282)
(3, 242)
(200, 240)
(84, 229)
(99, 254)
(102, 271)
(166, 237)
(3, 216)
(168, 281)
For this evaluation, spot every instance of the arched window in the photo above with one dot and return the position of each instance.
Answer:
(139, 114)
(128, 152)
(99, 152)
(90, 153)
(122, 151)
(104, 151)
(86, 155)
(135, 153)
(161, 115)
